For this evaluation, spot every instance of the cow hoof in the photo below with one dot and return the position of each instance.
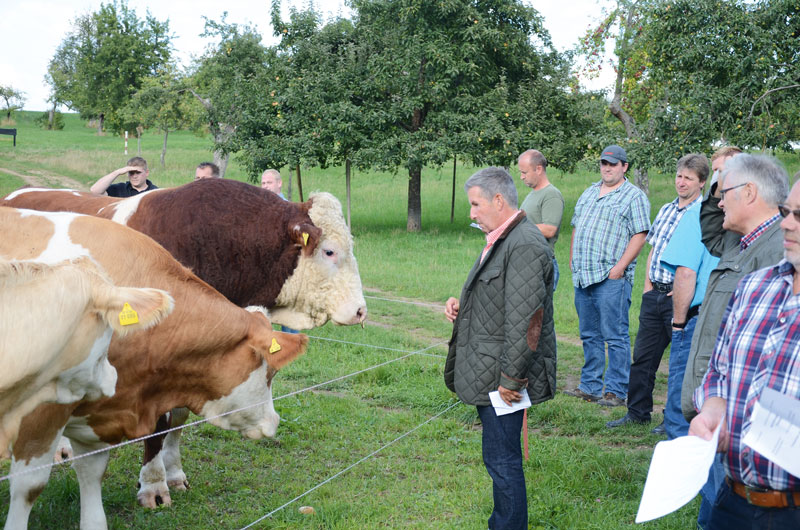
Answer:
(178, 484)
(153, 499)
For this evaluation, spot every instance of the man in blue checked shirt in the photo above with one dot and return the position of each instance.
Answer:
(610, 224)
(655, 316)
(758, 348)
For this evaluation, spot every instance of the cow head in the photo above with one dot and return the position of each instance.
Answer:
(273, 350)
(325, 285)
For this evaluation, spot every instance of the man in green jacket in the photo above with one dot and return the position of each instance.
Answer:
(503, 336)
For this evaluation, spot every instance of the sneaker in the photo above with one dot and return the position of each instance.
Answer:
(578, 393)
(611, 400)
(627, 419)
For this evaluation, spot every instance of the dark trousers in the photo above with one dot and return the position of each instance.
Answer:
(732, 512)
(655, 334)
(502, 456)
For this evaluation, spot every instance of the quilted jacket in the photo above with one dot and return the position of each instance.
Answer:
(504, 332)
(765, 251)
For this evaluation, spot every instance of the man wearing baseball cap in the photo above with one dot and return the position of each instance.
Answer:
(611, 221)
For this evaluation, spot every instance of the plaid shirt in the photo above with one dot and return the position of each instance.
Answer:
(603, 228)
(659, 235)
(757, 347)
(760, 229)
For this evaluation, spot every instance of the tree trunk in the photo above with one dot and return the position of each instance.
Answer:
(347, 165)
(139, 130)
(453, 196)
(100, 120)
(51, 116)
(221, 160)
(615, 107)
(164, 148)
(414, 203)
(221, 134)
(299, 183)
(641, 179)
(289, 189)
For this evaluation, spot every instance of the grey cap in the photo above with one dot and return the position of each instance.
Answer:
(614, 154)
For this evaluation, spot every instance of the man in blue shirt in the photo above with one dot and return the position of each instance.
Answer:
(610, 223)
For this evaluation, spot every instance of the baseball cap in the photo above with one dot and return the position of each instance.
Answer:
(614, 154)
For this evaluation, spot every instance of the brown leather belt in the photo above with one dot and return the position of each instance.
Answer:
(763, 497)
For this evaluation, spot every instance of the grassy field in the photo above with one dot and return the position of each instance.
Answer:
(358, 449)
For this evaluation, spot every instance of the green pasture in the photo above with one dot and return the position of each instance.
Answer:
(419, 475)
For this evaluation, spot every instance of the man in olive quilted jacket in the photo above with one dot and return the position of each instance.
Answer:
(503, 336)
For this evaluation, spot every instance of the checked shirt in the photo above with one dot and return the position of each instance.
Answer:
(659, 235)
(758, 347)
(603, 228)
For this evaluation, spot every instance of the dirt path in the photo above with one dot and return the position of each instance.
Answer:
(42, 179)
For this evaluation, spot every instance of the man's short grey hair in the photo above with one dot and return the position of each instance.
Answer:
(494, 180)
(765, 172)
(695, 162)
(274, 172)
(535, 158)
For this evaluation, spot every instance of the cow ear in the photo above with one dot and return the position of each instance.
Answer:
(306, 236)
(283, 348)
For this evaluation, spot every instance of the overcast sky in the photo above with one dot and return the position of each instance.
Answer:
(33, 29)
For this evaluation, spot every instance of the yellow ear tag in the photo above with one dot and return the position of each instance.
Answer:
(128, 316)
(275, 347)
(305, 238)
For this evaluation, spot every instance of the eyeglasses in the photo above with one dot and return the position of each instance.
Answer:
(726, 190)
(784, 211)
(607, 163)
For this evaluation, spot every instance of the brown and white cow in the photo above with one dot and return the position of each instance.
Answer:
(55, 329)
(209, 355)
(296, 260)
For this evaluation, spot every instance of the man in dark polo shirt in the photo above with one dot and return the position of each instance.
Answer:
(137, 180)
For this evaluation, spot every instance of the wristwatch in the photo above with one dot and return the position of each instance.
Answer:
(679, 325)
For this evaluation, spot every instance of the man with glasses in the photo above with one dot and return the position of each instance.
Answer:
(739, 222)
(758, 348)
(137, 180)
(610, 223)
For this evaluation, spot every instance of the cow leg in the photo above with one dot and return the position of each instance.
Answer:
(90, 472)
(153, 489)
(171, 452)
(24, 489)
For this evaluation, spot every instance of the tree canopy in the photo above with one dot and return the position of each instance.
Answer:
(104, 60)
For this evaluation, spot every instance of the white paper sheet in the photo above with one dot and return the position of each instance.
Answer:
(678, 470)
(500, 407)
(775, 429)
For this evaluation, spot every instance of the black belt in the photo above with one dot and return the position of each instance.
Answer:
(662, 287)
(693, 312)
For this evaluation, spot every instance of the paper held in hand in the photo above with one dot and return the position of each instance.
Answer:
(500, 407)
(678, 471)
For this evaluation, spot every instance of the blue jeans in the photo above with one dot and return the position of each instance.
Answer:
(674, 422)
(732, 511)
(502, 456)
(555, 274)
(603, 319)
(710, 490)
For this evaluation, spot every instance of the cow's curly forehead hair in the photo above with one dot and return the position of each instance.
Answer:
(491, 181)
